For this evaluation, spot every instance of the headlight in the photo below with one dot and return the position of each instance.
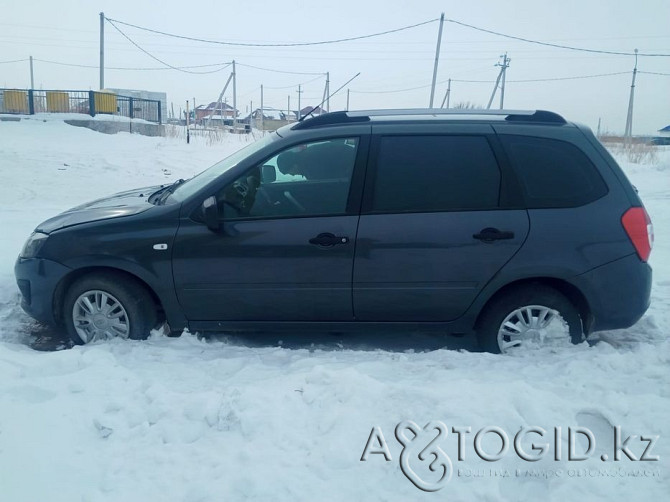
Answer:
(33, 245)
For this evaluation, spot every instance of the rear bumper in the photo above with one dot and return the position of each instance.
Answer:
(618, 293)
(37, 280)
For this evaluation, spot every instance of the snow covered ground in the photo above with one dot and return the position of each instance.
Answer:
(232, 418)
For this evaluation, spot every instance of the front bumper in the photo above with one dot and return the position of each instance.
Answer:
(618, 293)
(38, 279)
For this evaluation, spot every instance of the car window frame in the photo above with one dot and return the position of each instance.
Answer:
(354, 196)
(524, 197)
(509, 195)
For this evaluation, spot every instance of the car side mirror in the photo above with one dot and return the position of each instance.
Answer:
(268, 174)
(210, 212)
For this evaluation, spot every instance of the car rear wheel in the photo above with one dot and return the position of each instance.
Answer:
(104, 306)
(528, 317)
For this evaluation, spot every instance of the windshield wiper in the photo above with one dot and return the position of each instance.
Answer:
(167, 191)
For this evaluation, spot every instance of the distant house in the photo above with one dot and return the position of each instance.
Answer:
(215, 110)
(317, 111)
(665, 131)
(272, 118)
(268, 114)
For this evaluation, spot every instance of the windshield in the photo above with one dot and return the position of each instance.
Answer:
(189, 187)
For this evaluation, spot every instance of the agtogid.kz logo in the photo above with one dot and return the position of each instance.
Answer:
(425, 463)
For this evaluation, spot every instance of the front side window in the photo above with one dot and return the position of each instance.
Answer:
(435, 173)
(311, 179)
(198, 182)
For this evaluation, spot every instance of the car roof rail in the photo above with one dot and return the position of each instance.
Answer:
(330, 119)
(349, 117)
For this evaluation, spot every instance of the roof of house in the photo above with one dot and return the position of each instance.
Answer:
(214, 106)
(317, 111)
(665, 129)
(268, 114)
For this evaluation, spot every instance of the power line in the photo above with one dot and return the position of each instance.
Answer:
(202, 72)
(397, 90)
(295, 85)
(491, 81)
(654, 73)
(282, 71)
(14, 61)
(157, 59)
(558, 46)
(553, 79)
(294, 44)
(222, 65)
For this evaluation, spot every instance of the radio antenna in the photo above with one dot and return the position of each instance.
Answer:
(328, 97)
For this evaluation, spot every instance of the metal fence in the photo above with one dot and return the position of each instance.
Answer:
(31, 101)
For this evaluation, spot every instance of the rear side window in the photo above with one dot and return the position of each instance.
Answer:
(553, 173)
(435, 173)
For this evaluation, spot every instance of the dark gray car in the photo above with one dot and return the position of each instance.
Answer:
(518, 227)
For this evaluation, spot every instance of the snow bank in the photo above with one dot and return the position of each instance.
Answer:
(235, 418)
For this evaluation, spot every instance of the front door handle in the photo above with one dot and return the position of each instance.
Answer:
(327, 240)
(493, 234)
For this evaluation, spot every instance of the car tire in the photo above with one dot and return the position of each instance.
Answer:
(108, 305)
(528, 316)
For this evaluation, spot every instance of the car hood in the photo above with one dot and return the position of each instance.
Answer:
(115, 206)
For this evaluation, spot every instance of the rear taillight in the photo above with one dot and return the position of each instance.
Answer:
(640, 231)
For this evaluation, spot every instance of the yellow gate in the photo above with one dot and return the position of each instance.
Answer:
(105, 102)
(58, 102)
(16, 101)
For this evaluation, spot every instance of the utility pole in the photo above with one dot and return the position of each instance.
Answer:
(348, 99)
(437, 58)
(447, 95)
(288, 107)
(325, 94)
(102, 50)
(327, 91)
(218, 102)
(503, 68)
(598, 133)
(32, 79)
(628, 133)
(188, 132)
(262, 117)
(234, 98)
(505, 65)
(299, 109)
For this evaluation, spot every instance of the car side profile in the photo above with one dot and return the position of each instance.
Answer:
(516, 227)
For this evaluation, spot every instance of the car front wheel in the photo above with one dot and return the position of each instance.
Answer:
(107, 305)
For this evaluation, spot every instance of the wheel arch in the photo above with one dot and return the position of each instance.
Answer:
(570, 291)
(69, 279)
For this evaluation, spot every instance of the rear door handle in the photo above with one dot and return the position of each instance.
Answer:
(327, 240)
(493, 234)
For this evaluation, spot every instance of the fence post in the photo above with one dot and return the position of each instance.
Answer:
(91, 103)
(31, 102)
(131, 108)
(160, 114)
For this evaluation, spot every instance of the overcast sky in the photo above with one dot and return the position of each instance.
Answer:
(68, 32)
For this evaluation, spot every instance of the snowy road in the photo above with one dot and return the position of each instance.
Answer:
(231, 418)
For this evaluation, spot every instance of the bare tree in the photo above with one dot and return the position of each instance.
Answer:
(467, 105)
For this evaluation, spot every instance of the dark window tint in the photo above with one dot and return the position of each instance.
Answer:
(436, 173)
(553, 173)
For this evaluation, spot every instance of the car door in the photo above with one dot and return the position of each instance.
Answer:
(435, 227)
(285, 246)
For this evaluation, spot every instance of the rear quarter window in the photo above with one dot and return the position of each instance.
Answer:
(553, 173)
